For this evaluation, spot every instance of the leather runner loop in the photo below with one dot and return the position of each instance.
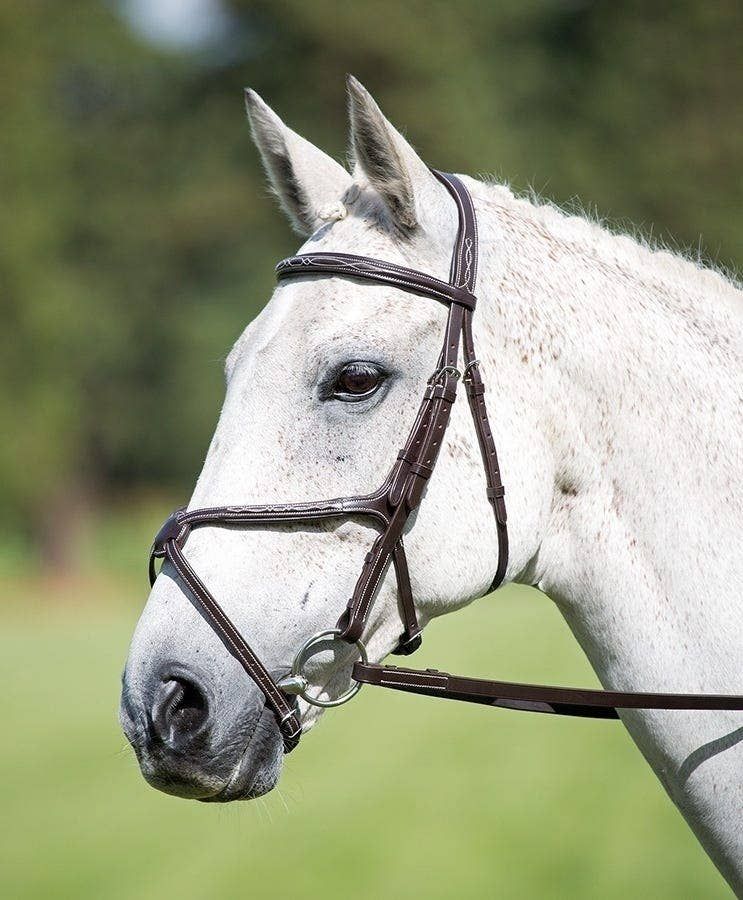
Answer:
(533, 697)
(440, 391)
(172, 529)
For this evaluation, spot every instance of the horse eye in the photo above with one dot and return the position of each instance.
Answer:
(357, 381)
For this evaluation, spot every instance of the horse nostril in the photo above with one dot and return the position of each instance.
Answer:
(180, 712)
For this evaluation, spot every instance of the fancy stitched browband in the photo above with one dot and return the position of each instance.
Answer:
(389, 508)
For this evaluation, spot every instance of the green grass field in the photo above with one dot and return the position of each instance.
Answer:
(391, 797)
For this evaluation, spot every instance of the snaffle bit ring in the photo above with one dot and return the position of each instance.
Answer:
(295, 682)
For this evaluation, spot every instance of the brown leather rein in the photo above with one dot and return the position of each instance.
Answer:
(389, 508)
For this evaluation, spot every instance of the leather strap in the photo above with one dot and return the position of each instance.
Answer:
(351, 266)
(464, 271)
(286, 714)
(495, 490)
(533, 697)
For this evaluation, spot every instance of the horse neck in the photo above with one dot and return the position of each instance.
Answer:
(632, 360)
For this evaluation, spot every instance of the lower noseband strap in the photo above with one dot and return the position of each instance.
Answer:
(283, 708)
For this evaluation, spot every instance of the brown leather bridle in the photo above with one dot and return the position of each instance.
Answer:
(389, 508)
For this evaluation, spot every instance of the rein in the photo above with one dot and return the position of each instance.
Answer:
(389, 508)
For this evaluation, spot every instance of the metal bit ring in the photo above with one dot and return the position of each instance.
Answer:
(296, 683)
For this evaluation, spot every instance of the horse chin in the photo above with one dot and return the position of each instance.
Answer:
(250, 788)
(258, 769)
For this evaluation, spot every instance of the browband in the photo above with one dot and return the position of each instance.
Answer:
(350, 266)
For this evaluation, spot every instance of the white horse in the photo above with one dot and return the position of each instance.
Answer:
(615, 377)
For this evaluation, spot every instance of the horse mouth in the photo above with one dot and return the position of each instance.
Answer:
(259, 767)
(242, 788)
(246, 783)
(255, 774)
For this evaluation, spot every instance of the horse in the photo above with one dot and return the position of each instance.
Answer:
(615, 385)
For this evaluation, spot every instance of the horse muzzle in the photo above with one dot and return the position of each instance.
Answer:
(192, 742)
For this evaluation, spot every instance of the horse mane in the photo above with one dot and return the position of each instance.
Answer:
(619, 242)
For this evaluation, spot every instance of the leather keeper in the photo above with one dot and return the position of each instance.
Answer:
(474, 388)
(350, 627)
(422, 470)
(442, 391)
(172, 529)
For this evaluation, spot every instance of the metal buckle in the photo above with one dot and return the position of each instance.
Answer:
(296, 684)
(470, 365)
(451, 370)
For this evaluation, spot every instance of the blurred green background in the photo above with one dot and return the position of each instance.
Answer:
(138, 239)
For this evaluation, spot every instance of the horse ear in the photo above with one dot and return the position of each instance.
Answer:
(308, 183)
(391, 166)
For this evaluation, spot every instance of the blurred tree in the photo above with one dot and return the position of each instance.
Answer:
(138, 235)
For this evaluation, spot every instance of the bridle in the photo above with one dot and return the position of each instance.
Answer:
(389, 508)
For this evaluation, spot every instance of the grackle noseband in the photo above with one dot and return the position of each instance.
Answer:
(390, 507)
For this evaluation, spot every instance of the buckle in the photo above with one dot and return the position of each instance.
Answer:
(445, 370)
(470, 365)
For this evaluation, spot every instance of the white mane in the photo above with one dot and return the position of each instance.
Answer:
(593, 235)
